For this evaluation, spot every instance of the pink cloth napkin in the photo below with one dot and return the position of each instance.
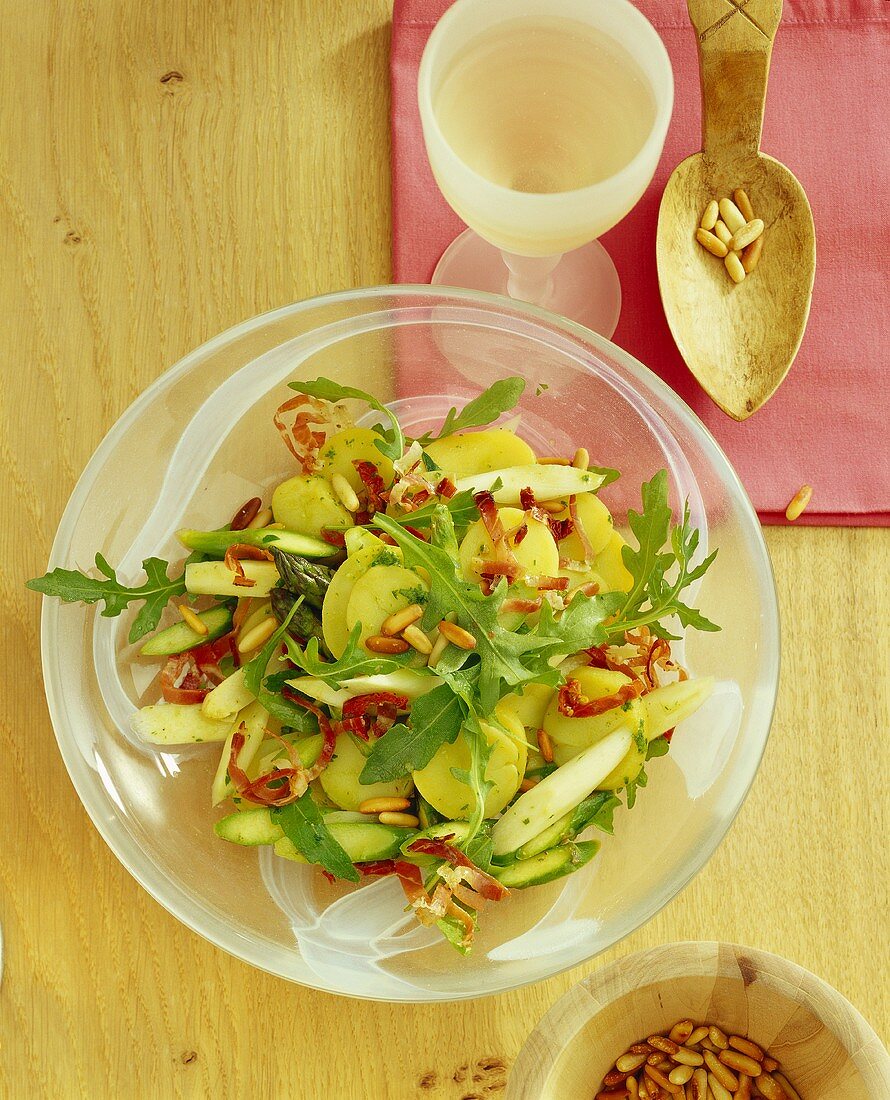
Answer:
(827, 115)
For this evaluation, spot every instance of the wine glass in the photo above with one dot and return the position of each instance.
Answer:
(543, 122)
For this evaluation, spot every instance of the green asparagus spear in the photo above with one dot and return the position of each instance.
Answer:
(302, 577)
(304, 625)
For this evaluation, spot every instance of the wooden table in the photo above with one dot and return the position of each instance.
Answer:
(168, 169)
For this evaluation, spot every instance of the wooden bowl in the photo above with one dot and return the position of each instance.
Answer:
(826, 1048)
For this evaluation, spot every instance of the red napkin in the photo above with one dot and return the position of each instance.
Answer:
(827, 115)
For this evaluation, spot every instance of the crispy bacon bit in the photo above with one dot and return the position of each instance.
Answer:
(582, 534)
(474, 876)
(489, 569)
(573, 704)
(239, 552)
(526, 607)
(246, 514)
(589, 589)
(334, 536)
(520, 533)
(304, 442)
(182, 681)
(208, 656)
(668, 734)
(557, 584)
(241, 612)
(527, 499)
(383, 707)
(488, 510)
(446, 488)
(560, 528)
(374, 485)
(600, 658)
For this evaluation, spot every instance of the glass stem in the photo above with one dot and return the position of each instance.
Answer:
(531, 277)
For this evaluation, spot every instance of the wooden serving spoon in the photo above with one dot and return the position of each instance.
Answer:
(739, 340)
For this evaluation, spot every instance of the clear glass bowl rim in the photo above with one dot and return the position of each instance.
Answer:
(275, 959)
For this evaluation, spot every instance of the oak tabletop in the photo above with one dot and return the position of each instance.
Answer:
(167, 170)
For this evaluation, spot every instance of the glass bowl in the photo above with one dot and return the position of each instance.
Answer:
(200, 440)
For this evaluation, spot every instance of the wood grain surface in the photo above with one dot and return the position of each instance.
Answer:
(166, 170)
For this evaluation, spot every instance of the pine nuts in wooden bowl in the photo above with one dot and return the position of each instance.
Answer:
(711, 1009)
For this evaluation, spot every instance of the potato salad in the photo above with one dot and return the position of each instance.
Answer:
(434, 658)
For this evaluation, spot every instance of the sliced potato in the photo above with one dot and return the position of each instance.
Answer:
(341, 783)
(308, 504)
(506, 767)
(610, 565)
(595, 518)
(468, 453)
(336, 600)
(528, 705)
(537, 552)
(354, 445)
(595, 683)
(379, 593)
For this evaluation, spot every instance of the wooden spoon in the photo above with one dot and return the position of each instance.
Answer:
(739, 340)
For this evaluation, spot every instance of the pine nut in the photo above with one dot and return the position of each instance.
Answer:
(734, 267)
(680, 1074)
(378, 643)
(740, 1062)
(663, 1082)
(383, 805)
(439, 647)
(696, 1037)
(550, 461)
(687, 1057)
(582, 459)
(666, 1046)
(415, 637)
(614, 1077)
(455, 634)
(245, 514)
(261, 519)
(769, 1064)
(627, 1063)
(554, 507)
(785, 1084)
(717, 1037)
(658, 1059)
(612, 1094)
(257, 635)
(770, 1087)
(706, 1044)
(748, 234)
(345, 493)
(192, 620)
(397, 622)
(744, 1090)
(723, 1074)
(731, 215)
(721, 230)
(639, 1048)
(409, 821)
(711, 242)
(717, 1089)
(746, 1047)
(740, 198)
(710, 216)
(798, 502)
(751, 255)
(633, 1089)
(545, 744)
(681, 1031)
(698, 1086)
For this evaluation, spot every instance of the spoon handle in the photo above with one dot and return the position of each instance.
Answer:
(735, 41)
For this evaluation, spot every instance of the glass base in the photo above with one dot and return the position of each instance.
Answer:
(585, 285)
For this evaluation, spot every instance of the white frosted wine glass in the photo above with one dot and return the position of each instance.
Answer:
(543, 121)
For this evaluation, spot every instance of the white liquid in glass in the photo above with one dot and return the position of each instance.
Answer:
(545, 105)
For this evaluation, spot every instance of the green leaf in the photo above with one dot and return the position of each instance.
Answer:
(354, 661)
(659, 747)
(392, 440)
(461, 506)
(606, 473)
(435, 720)
(255, 669)
(631, 789)
(500, 397)
(596, 810)
(661, 567)
(474, 776)
(72, 586)
(453, 931)
(303, 825)
(288, 713)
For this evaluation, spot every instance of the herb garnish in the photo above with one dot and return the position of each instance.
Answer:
(392, 439)
(303, 825)
(499, 398)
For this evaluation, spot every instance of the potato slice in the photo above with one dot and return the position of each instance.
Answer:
(468, 453)
(354, 445)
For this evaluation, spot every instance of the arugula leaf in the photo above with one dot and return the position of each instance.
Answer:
(354, 661)
(661, 551)
(659, 747)
(72, 586)
(303, 825)
(596, 810)
(462, 507)
(484, 409)
(631, 789)
(453, 931)
(255, 669)
(435, 720)
(474, 776)
(288, 713)
(606, 473)
(392, 439)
